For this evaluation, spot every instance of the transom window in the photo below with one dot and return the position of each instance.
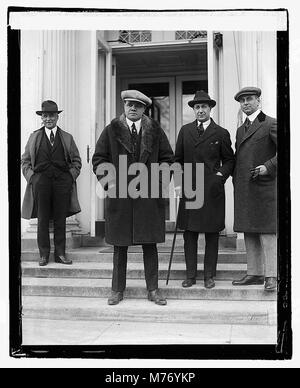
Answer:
(190, 34)
(135, 36)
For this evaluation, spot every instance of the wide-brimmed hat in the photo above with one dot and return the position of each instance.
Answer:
(248, 91)
(201, 97)
(48, 106)
(135, 95)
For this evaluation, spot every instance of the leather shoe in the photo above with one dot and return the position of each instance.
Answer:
(115, 297)
(188, 283)
(154, 296)
(271, 284)
(249, 280)
(62, 260)
(43, 261)
(209, 283)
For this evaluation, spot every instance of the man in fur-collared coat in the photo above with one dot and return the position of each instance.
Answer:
(132, 221)
(50, 164)
(255, 190)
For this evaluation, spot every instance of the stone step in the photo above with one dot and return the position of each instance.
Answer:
(100, 288)
(29, 241)
(141, 310)
(104, 254)
(76, 240)
(100, 270)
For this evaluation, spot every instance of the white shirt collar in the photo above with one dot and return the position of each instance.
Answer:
(253, 116)
(136, 123)
(48, 131)
(205, 124)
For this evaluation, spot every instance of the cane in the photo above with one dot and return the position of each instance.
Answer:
(172, 250)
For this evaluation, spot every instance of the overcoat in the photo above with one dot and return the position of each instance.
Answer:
(130, 221)
(28, 163)
(255, 201)
(213, 149)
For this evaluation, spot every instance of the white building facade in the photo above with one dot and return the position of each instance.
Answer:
(85, 71)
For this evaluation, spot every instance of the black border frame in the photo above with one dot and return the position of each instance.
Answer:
(283, 349)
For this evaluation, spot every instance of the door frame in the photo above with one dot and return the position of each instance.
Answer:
(172, 125)
(179, 80)
(98, 42)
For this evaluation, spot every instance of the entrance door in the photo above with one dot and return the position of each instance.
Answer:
(161, 90)
(170, 96)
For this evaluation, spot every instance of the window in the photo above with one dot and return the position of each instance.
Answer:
(135, 36)
(190, 35)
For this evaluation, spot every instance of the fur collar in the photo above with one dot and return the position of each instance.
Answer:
(150, 135)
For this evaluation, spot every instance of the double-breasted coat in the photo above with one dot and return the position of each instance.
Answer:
(130, 221)
(255, 201)
(72, 157)
(213, 149)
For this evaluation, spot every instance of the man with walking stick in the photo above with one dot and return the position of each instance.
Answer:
(203, 142)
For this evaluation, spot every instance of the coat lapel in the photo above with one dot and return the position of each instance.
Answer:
(193, 131)
(149, 136)
(65, 140)
(36, 142)
(257, 123)
(122, 133)
(210, 131)
(35, 145)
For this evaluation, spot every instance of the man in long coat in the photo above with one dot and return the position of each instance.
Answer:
(128, 220)
(255, 189)
(51, 164)
(203, 141)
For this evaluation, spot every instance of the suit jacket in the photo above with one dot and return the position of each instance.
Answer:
(213, 149)
(28, 160)
(255, 201)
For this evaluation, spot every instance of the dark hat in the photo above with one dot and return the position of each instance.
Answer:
(48, 106)
(248, 91)
(202, 97)
(135, 95)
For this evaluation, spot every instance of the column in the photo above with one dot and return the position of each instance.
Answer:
(57, 76)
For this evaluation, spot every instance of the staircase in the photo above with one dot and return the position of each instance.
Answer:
(80, 291)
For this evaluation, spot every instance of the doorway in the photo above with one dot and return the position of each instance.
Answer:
(170, 96)
(170, 76)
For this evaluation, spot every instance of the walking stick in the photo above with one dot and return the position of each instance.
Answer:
(172, 250)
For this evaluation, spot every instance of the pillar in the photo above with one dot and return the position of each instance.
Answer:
(55, 78)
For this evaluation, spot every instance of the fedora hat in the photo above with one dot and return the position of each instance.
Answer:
(135, 95)
(48, 106)
(202, 97)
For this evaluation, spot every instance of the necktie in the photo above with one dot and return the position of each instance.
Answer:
(200, 129)
(247, 124)
(134, 133)
(51, 137)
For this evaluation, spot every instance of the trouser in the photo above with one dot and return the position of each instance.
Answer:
(261, 251)
(52, 196)
(210, 256)
(150, 257)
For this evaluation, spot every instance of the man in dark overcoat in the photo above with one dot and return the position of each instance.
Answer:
(51, 164)
(203, 141)
(128, 220)
(255, 189)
